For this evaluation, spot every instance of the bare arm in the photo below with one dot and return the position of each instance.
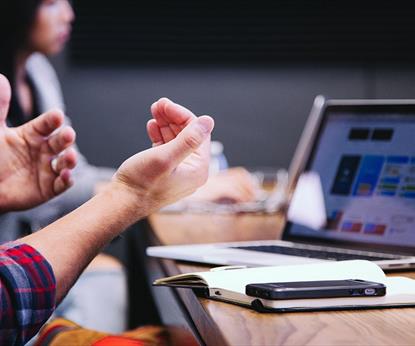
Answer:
(143, 184)
(71, 243)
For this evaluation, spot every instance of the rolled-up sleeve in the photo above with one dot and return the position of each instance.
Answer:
(27, 293)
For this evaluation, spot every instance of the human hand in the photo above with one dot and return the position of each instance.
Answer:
(27, 178)
(175, 167)
(169, 120)
(233, 185)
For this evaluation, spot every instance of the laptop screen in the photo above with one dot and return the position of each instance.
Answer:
(365, 159)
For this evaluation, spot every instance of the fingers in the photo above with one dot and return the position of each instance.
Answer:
(167, 133)
(62, 182)
(190, 139)
(177, 114)
(65, 161)
(171, 118)
(5, 96)
(62, 166)
(163, 124)
(243, 179)
(154, 133)
(167, 112)
(233, 185)
(157, 110)
(61, 140)
(162, 135)
(241, 193)
(45, 124)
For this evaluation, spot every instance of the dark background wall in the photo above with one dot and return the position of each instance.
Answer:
(260, 104)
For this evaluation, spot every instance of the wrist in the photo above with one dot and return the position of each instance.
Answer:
(129, 202)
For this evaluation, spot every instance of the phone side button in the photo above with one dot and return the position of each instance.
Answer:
(370, 291)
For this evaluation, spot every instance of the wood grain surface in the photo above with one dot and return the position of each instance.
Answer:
(226, 324)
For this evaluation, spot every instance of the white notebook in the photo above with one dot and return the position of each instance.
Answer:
(228, 285)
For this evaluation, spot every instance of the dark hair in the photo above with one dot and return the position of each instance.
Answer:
(16, 20)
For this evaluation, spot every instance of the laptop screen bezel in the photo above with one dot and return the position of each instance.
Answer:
(329, 108)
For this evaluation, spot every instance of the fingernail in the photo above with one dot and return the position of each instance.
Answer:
(206, 123)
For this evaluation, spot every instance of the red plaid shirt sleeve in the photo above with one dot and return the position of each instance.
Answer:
(27, 293)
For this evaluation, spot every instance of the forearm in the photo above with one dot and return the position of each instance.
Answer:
(70, 243)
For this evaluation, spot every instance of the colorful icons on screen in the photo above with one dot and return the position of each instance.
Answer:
(368, 175)
(335, 222)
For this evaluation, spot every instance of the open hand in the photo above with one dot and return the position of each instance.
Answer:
(35, 162)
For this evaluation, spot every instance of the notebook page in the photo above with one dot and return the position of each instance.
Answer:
(236, 280)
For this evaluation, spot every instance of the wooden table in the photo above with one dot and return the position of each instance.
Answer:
(219, 323)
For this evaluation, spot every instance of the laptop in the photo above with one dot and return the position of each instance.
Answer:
(363, 153)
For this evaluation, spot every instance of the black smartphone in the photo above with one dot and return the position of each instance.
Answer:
(316, 289)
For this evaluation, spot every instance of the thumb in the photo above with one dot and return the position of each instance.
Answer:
(5, 96)
(189, 139)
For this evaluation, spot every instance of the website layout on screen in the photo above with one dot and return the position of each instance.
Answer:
(367, 168)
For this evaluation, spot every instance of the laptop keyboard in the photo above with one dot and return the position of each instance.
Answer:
(312, 253)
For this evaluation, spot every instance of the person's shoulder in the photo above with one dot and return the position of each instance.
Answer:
(45, 81)
(39, 63)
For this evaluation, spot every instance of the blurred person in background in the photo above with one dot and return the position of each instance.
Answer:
(30, 31)
(37, 271)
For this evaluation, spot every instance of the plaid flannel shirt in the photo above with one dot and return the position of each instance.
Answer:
(27, 293)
